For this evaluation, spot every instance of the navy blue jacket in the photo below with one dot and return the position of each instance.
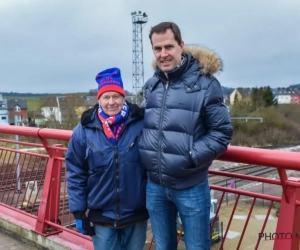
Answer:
(108, 181)
(186, 124)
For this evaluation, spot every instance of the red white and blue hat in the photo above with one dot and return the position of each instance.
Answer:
(110, 80)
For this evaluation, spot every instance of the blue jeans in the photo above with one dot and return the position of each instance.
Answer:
(129, 238)
(193, 205)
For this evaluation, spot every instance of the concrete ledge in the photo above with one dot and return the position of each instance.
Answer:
(10, 240)
(24, 230)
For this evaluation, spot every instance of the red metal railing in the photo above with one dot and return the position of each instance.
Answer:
(33, 186)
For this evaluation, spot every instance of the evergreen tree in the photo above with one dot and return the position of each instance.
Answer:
(268, 97)
(262, 97)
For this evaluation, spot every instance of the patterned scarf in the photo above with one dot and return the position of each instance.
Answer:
(113, 125)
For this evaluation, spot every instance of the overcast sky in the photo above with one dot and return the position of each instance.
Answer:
(60, 45)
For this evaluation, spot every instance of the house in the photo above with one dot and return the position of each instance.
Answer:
(282, 95)
(295, 96)
(50, 109)
(66, 107)
(17, 108)
(72, 106)
(240, 94)
(226, 99)
(3, 111)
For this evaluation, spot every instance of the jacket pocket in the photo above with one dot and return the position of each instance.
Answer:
(95, 157)
(94, 147)
(134, 192)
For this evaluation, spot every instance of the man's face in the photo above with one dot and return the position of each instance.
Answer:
(111, 103)
(166, 50)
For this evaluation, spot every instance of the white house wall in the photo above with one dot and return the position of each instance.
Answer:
(3, 117)
(49, 112)
(284, 99)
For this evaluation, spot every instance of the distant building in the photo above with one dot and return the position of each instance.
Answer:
(287, 95)
(50, 109)
(240, 94)
(295, 96)
(17, 107)
(3, 111)
(70, 106)
(226, 99)
(73, 105)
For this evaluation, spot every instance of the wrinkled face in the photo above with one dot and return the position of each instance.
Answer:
(166, 50)
(111, 102)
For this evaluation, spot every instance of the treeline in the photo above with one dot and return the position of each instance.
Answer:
(278, 127)
(295, 86)
(227, 90)
(16, 94)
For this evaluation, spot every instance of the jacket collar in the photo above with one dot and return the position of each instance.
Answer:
(89, 117)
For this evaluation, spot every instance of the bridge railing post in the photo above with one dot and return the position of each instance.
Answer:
(50, 200)
(288, 225)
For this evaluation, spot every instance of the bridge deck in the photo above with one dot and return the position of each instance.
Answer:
(9, 242)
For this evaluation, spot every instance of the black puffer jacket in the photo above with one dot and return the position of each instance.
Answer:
(186, 123)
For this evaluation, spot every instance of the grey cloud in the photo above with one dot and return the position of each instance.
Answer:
(59, 46)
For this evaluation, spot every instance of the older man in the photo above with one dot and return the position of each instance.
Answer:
(104, 172)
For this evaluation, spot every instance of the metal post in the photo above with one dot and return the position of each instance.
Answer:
(222, 233)
(235, 187)
(262, 187)
(16, 120)
(226, 194)
(288, 219)
(139, 20)
(49, 206)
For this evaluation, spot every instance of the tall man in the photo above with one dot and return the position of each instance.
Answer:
(186, 127)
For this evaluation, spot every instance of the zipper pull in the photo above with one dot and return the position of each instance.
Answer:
(131, 145)
(167, 85)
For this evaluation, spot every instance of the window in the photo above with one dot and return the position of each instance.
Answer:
(17, 108)
(3, 117)
(19, 118)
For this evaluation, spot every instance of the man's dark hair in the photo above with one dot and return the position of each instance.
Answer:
(163, 27)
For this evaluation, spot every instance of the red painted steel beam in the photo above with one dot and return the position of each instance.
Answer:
(246, 193)
(245, 177)
(17, 213)
(18, 130)
(262, 157)
(22, 143)
(58, 134)
(288, 219)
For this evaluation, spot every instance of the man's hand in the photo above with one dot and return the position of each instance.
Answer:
(83, 225)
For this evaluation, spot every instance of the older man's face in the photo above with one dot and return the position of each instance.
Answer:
(111, 103)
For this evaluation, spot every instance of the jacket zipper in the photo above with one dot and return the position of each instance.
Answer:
(117, 186)
(117, 175)
(117, 180)
(160, 131)
(134, 140)
(95, 148)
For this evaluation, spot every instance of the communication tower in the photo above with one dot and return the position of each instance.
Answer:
(139, 20)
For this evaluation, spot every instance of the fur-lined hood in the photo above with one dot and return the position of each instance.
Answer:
(209, 62)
